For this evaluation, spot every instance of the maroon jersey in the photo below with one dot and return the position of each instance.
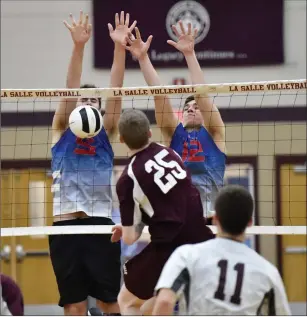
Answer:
(156, 189)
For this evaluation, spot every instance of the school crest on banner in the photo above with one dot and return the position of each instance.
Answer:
(230, 33)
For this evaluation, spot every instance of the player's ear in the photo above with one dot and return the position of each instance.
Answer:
(149, 134)
(121, 140)
(250, 223)
(214, 220)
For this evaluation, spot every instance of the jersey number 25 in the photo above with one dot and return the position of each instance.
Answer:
(159, 165)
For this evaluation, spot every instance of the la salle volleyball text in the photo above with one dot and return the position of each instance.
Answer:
(164, 91)
(256, 87)
(300, 85)
(29, 94)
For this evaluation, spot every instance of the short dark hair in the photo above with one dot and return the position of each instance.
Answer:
(134, 127)
(84, 86)
(234, 207)
(188, 99)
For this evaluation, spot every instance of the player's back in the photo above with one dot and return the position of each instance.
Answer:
(169, 203)
(82, 171)
(229, 278)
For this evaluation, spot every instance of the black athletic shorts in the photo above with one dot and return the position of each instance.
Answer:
(86, 264)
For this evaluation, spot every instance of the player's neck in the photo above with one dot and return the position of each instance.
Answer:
(239, 238)
(191, 129)
(133, 152)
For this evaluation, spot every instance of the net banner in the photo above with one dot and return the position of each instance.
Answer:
(231, 33)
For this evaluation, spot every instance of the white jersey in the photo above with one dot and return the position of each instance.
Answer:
(224, 277)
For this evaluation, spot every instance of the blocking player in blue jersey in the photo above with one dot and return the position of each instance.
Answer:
(200, 138)
(86, 265)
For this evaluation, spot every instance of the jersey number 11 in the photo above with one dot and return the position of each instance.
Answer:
(219, 294)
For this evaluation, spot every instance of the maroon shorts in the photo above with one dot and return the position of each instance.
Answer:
(142, 272)
(12, 295)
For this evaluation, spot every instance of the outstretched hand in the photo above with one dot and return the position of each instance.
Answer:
(137, 47)
(120, 33)
(81, 31)
(117, 231)
(186, 38)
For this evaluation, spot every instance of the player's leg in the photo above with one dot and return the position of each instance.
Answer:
(148, 306)
(129, 304)
(66, 258)
(75, 309)
(103, 263)
(141, 274)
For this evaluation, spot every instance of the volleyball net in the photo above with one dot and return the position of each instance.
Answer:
(265, 122)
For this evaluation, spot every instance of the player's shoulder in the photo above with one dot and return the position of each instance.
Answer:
(266, 265)
(262, 263)
(191, 250)
(152, 149)
(185, 252)
(171, 151)
(124, 177)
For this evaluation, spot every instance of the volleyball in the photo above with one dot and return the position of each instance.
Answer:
(85, 122)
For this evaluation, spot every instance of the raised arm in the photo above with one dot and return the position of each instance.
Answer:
(165, 117)
(80, 33)
(211, 115)
(119, 35)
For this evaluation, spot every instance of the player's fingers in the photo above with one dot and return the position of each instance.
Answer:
(81, 17)
(170, 42)
(67, 25)
(116, 19)
(127, 19)
(122, 18)
(181, 27)
(131, 36)
(110, 27)
(174, 28)
(128, 48)
(113, 238)
(133, 26)
(149, 40)
(138, 33)
(73, 22)
(189, 28)
(89, 29)
(86, 21)
(116, 227)
(128, 40)
(195, 32)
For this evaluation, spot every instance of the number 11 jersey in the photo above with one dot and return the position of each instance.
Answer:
(82, 171)
(155, 189)
(224, 277)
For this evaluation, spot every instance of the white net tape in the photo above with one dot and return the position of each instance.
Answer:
(49, 230)
(293, 92)
(232, 88)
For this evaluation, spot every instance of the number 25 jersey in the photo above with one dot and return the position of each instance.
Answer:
(82, 171)
(204, 160)
(156, 189)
